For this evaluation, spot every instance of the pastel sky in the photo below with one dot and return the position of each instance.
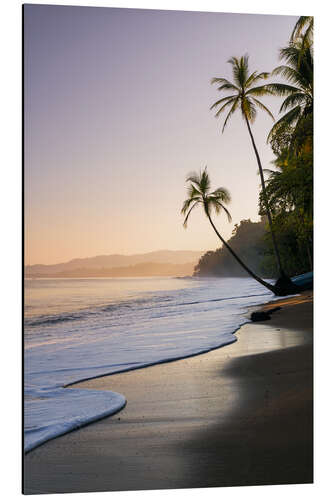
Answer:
(117, 113)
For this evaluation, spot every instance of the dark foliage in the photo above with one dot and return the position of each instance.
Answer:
(248, 241)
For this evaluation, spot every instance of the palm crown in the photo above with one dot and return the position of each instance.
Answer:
(298, 92)
(245, 93)
(199, 194)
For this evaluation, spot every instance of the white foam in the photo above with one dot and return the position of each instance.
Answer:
(68, 409)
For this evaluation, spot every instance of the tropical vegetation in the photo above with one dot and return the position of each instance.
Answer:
(289, 188)
(285, 233)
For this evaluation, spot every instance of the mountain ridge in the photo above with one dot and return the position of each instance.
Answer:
(113, 261)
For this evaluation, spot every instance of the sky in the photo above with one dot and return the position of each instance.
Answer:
(116, 114)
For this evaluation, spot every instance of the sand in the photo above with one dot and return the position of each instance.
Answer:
(239, 415)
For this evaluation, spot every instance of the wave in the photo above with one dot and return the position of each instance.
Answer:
(44, 320)
(49, 426)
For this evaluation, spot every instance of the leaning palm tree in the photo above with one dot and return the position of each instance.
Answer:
(244, 98)
(199, 194)
(298, 91)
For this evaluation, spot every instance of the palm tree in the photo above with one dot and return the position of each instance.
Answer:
(199, 194)
(244, 97)
(298, 92)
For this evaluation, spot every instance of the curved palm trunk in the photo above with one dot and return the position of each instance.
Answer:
(244, 266)
(268, 212)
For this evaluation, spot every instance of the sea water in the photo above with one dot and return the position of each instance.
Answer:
(76, 329)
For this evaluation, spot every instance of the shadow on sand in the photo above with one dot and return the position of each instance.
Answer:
(267, 438)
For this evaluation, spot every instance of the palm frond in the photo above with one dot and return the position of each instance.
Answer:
(255, 77)
(194, 178)
(298, 98)
(192, 191)
(223, 81)
(222, 100)
(204, 182)
(227, 213)
(189, 212)
(290, 53)
(231, 101)
(240, 69)
(262, 90)
(244, 69)
(218, 206)
(300, 24)
(291, 75)
(281, 89)
(226, 86)
(186, 205)
(307, 37)
(222, 194)
(235, 65)
(250, 79)
(232, 110)
(263, 107)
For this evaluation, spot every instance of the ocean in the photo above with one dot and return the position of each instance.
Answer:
(76, 329)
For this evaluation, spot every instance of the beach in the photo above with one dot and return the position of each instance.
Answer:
(238, 415)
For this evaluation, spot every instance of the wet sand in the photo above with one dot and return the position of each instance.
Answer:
(239, 415)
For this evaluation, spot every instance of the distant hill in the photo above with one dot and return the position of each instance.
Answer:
(139, 270)
(159, 263)
(248, 241)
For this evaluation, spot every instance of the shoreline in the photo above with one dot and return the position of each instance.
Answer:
(177, 357)
(260, 307)
(169, 360)
(159, 406)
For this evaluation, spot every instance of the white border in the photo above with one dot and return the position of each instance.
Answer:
(10, 200)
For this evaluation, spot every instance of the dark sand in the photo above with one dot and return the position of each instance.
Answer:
(239, 415)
